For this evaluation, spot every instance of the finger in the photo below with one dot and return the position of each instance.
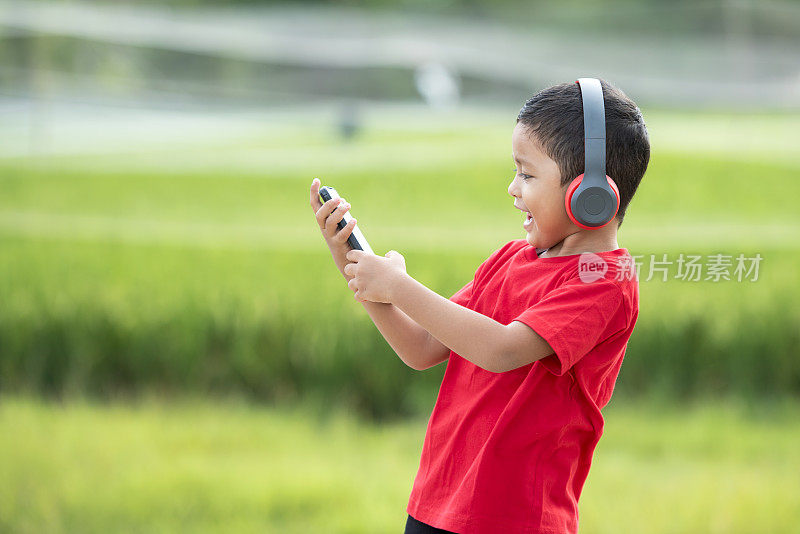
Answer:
(337, 215)
(350, 269)
(352, 284)
(315, 202)
(345, 232)
(326, 209)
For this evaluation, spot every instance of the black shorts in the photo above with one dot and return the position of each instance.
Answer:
(418, 527)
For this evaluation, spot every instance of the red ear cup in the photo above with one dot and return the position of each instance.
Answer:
(568, 201)
(616, 192)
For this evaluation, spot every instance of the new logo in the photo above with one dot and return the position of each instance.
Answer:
(591, 267)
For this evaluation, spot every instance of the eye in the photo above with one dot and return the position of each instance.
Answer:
(524, 176)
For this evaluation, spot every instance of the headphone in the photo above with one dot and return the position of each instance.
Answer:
(592, 199)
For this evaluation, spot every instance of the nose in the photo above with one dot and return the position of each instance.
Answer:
(511, 188)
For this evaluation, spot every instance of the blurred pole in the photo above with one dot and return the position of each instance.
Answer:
(737, 15)
(438, 85)
(39, 84)
(349, 123)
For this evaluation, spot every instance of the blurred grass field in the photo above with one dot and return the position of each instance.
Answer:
(196, 466)
(197, 271)
(200, 268)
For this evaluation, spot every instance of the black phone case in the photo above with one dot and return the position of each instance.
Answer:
(351, 239)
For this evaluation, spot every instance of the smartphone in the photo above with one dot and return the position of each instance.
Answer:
(356, 238)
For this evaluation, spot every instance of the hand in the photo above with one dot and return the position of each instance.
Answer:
(374, 277)
(328, 216)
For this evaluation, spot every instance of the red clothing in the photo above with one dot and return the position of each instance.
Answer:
(510, 452)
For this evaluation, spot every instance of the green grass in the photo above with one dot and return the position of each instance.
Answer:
(201, 269)
(198, 466)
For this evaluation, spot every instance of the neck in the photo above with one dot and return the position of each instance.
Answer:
(580, 241)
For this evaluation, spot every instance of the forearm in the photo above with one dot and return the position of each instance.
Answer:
(408, 339)
(471, 335)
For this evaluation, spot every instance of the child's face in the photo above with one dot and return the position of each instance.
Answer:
(536, 188)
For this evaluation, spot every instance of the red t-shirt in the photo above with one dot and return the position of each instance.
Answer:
(510, 452)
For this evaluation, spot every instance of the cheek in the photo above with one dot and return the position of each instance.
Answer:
(538, 197)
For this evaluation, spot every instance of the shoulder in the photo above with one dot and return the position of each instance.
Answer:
(590, 291)
(501, 255)
(623, 272)
(511, 247)
(506, 251)
(613, 295)
(604, 287)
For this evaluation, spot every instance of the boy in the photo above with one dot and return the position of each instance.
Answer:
(533, 343)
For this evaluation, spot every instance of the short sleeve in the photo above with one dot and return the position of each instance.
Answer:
(574, 318)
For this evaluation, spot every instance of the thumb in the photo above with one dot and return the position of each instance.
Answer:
(394, 254)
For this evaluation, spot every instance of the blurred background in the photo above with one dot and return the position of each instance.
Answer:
(177, 349)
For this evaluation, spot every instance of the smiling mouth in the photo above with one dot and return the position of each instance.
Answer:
(528, 215)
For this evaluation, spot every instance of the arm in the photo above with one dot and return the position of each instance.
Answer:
(480, 339)
(412, 343)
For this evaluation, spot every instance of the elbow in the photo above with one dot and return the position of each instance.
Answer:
(498, 364)
(412, 365)
(424, 366)
(415, 365)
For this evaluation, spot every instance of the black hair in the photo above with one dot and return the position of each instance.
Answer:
(554, 118)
